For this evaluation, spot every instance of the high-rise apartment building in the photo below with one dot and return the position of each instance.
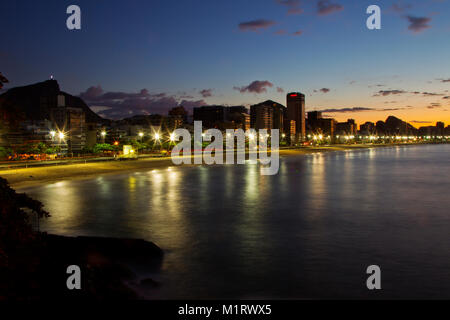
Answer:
(296, 111)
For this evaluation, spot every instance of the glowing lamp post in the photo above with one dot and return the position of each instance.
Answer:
(103, 134)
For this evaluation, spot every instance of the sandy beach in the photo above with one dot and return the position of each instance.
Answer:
(25, 177)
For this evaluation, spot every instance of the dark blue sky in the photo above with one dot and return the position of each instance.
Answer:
(201, 51)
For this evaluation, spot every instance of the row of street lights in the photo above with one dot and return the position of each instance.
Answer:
(319, 137)
(372, 138)
(61, 134)
(156, 135)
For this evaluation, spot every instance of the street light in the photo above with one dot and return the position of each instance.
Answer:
(141, 134)
(156, 136)
(61, 135)
(53, 133)
(172, 136)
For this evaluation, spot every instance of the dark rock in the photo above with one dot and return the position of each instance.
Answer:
(148, 282)
(128, 250)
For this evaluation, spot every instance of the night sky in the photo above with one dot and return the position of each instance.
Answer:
(146, 56)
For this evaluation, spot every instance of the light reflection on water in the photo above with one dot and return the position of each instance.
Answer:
(308, 232)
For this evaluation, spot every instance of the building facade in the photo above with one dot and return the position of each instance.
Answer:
(71, 126)
(295, 102)
(268, 115)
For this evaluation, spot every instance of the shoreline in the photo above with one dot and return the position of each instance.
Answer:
(30, 177)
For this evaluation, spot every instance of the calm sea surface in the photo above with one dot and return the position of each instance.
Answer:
(309, 232)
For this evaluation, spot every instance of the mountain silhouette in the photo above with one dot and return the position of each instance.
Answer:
(34, 102)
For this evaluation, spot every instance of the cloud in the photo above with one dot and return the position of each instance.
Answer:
(289, 3)
(206, 93)
(394, 92)
(444, 80)
(117, 105)
(256, 87)
(256, 25)
(293, 6)
(325, 90)
(391, 109)
(280, 32)
(431, 94)
(92, 93)
(325, 7)
(434, 106)
(356, 109)
(418, 24)
(400, 7)
(295, 11)
(189, 105)
(388, 92)
(280, 90)
(95, 93)
(99, 109)
(298, 33)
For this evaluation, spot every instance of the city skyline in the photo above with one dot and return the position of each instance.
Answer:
(240, 55)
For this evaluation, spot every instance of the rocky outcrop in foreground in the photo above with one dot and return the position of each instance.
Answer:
(106, 265)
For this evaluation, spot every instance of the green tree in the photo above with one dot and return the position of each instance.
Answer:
(102, 147)
(139, 146)
(52, 150)
(15, 229)
(28, 148)
(17, 239)
(5, 152)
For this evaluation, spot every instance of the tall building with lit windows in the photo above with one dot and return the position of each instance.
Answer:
(267, 115)
(71, 122)
(296, 112)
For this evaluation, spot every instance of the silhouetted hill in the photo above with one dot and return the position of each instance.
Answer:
(395, 125)
(33, 102)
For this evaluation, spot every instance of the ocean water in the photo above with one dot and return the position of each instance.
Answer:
(308, 232)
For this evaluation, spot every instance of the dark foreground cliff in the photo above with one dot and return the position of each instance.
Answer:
(34, 265)
(106, 264)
